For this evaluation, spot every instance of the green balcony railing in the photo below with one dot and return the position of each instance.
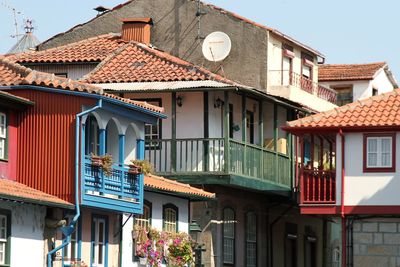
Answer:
(207, 155)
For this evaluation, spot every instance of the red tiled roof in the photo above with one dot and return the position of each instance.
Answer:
(161, 183)
(344, 72)
(381, 111)
(93, 49)
(136, 62)
(12, 73)
(19, 192)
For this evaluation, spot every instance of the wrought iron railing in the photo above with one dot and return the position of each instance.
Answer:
(285, 77)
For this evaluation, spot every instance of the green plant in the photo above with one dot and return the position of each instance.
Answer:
(144, 165)
(105, 162)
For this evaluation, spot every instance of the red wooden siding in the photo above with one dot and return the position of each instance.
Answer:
(46, 145)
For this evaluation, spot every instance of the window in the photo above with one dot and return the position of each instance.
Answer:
(71, 250)
(3, 136)
(379, 152)
(170, 217)
(99, 241)
(5, 232)
(306, 66)
(310, 248)
(251, 239)
(344, 95)
(229, 236)
(291, 245)
(250, 127)
(144, 220)
(374, 91)
(287, 64)
(152, 132)
(231, 121)
(61, 74)
(92, 136)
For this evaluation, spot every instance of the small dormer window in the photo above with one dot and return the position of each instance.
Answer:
(379, 152)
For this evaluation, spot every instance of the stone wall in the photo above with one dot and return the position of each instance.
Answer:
(376, 242)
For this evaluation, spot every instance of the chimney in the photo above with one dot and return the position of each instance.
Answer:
(137, 29)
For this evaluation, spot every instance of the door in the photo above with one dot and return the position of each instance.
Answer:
(286, 70)
(249, 127)
(99, 241)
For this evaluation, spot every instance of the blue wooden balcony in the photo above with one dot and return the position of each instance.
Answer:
(215, 161)
(120, 191)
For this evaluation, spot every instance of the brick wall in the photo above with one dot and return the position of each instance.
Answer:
(376, 242)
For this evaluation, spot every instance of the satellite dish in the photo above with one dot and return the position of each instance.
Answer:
(216, 46)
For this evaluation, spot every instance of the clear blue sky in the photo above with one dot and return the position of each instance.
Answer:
(346, 31)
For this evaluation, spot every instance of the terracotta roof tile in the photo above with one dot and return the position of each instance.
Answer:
(19, 192)
(12, 73)
(341, 72)
(377, 111)
(161, 183)
(136, 62)
(82, 51)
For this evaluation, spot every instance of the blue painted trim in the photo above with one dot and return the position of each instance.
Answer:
(121, 143)
(102, 141)
(89, 95)
(140, 149)
(113, 204)
(131, 114)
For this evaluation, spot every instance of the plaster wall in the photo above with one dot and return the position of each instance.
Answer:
(365, 189)
(157, 201)
(175, 30)
(27, 225)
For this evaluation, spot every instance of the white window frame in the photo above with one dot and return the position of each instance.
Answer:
(4, 246)
(98, 244)
(251, 239)
(170, 218)
(3, 135)
(379, 153)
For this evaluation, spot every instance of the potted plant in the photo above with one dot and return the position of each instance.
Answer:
(140, 166)
(105, 162)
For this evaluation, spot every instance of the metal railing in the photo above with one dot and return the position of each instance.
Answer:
(120, 184)
(317, 186)
(207, 155)
(286, 77)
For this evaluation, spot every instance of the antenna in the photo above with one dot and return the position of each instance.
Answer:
(15, 13)
(199, 13)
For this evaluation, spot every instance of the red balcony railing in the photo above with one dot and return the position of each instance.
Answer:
(317, 187)
(285, 77)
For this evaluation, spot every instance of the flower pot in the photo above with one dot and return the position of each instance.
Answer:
(143, 261)
(133, 169)
(97, 161)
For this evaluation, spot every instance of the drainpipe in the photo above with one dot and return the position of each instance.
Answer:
(342, 214)
(67, 231)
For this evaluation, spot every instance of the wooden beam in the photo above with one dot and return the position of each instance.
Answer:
(226, 131)
(173, 132)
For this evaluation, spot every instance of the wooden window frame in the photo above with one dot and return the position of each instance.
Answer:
(7, 215)
(150, 206)
(174, 207)
(157, 147)
(247, 242)
(234, 237)
(367, 169)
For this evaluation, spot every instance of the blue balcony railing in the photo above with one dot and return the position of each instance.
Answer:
(121, 190)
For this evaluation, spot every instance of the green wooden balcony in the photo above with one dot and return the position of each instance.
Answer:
(205, 161)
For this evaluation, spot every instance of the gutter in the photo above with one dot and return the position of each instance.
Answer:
(342, 213)
(68, 230)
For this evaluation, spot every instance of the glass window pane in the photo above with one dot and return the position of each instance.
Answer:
(372, 159)
(372, 145)
(386, 145)
(386, 160)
